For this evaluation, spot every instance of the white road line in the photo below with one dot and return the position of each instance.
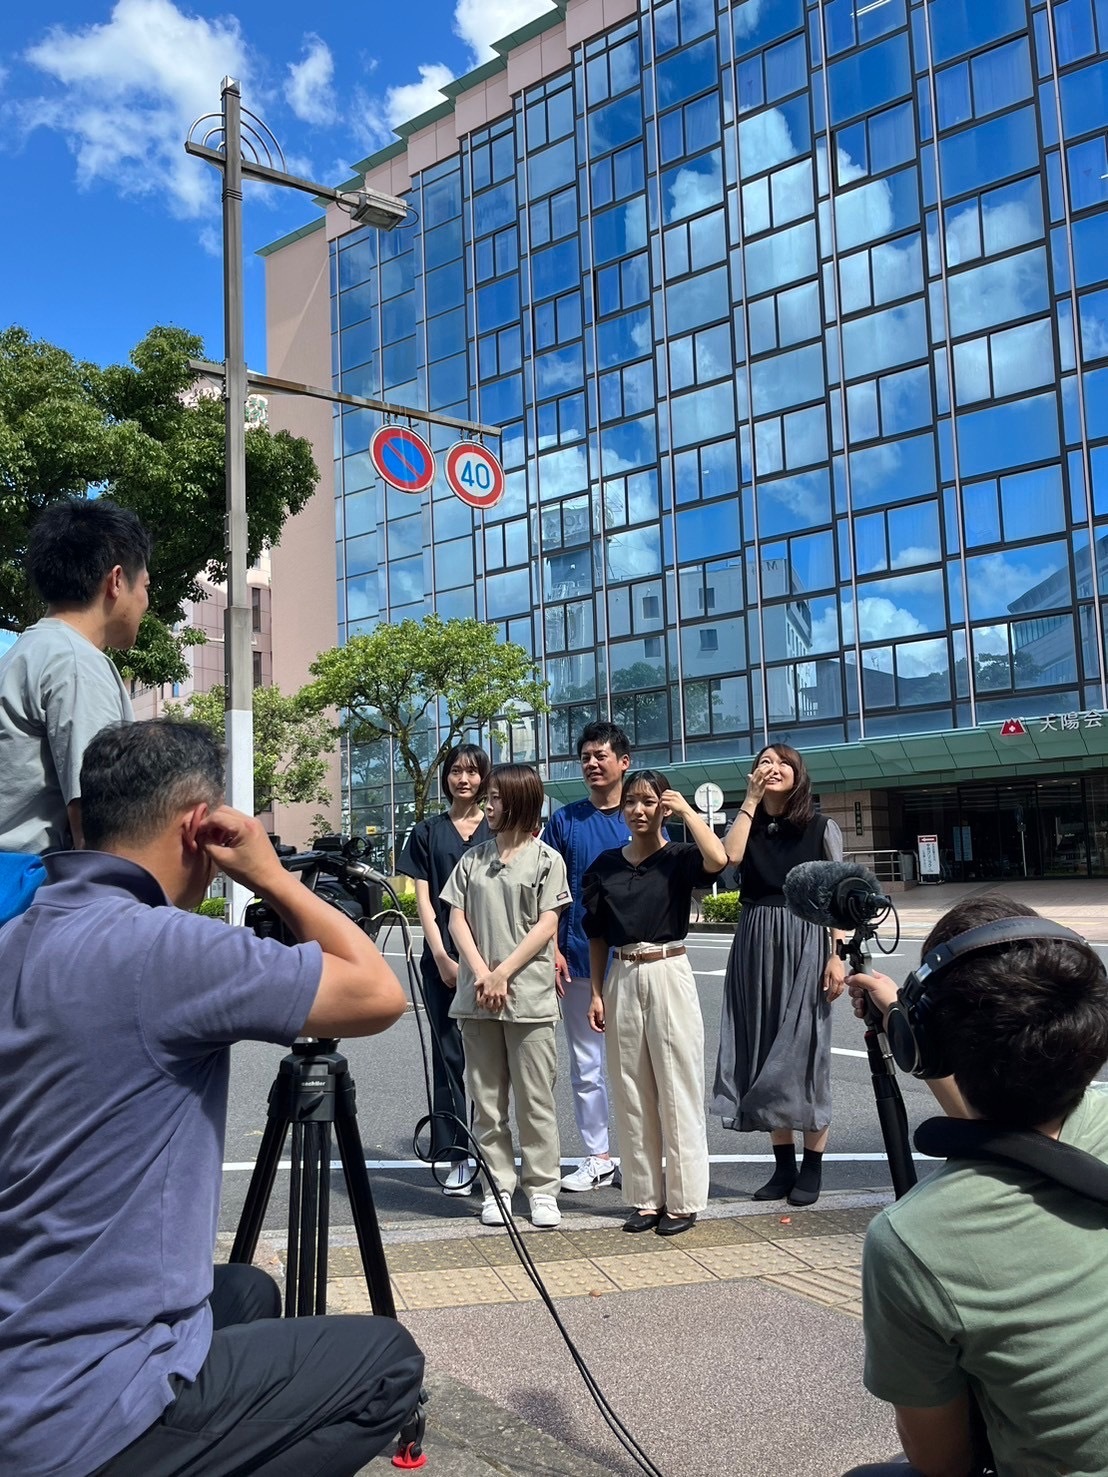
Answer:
(846, 1051)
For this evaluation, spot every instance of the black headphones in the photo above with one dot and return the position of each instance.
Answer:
(911, 1039)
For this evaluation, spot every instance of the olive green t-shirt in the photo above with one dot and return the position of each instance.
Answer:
(996, 1280)
(502, 903)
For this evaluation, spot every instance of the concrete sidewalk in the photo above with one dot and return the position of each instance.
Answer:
(1080, 904)
(735, 1348)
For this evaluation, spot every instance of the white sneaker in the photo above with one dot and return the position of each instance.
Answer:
(544, 1212)
(496, 1211)
(593, 1174)
(460, 1180)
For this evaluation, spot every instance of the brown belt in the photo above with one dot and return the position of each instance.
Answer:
(652, 956)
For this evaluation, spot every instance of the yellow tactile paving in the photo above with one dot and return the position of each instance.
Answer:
(460, 1287)
(800, 1222)
(729, 1262)
(350, 1295)
(632, 1272)
(579, 1278)
(833, 1286)
(542, 1246)
(825, 1251)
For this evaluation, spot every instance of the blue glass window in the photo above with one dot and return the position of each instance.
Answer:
(692, 187)
(880, 208)
(703, 415)
(550, 169)
(442, 200)
(497, 207)
(1090, 248)
(707, 531)
(868, 80)
(1013, 287)
(788, 379)
(880, 340)
(615, 124)
(991, 151)
(556, 268)
(686, 73)
(893, 472)
(1012, 435)
(792, 503)
(624, 338)
(1085, 100)
(773, 136)
(630, 444)
(958, 26)
(780, 258)
(698, 300)
(498, 303)
(1001, 77)
(619, 230)
(507, 594)
(757, 24)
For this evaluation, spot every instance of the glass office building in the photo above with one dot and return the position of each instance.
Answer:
(795, 319)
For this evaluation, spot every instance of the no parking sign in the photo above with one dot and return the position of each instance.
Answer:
(402, 458)
(474, 474)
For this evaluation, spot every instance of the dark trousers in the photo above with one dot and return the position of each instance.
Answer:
(448, 1070)
(318, 1397)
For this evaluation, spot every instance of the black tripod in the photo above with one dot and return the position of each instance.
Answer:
(891, 1113)
(313, 1091)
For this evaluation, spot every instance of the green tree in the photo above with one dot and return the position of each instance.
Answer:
(424, 682)
(138, 432)
(291, 744)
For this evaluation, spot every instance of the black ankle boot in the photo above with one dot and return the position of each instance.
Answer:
(808, 1181)
(784, 1174)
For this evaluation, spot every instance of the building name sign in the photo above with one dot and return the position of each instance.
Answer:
(1054, 723)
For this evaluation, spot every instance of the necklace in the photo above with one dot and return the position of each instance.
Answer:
(771, 829)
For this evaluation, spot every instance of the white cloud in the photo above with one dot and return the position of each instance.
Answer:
(309, 89)
(481, 22)
(130, 89)
(379, 116)
(211, 241)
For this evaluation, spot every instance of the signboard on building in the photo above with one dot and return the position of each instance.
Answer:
(930, 867)
(402, 458)
(474, 474)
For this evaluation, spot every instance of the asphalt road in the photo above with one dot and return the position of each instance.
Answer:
(392, 1097)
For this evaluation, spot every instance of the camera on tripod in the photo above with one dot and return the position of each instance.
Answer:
(336, 870)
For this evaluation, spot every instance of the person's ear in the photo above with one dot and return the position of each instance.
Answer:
(114, 581)
(191, 824)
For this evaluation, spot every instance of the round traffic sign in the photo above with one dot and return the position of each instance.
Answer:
(402, 458)
(474, 474)
(709, 798)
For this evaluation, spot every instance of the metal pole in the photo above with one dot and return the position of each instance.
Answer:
(236, 621)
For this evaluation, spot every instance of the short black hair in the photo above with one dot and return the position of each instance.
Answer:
(1023, 1025)
(470, 756)
(76, 541)
(521, 794)
(605, 733)
(135, 777)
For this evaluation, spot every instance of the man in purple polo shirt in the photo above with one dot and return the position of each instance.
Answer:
(122, 1356)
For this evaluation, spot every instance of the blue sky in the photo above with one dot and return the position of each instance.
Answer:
(108, 227)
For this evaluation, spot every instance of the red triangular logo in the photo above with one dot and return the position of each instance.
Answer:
(1012, 728)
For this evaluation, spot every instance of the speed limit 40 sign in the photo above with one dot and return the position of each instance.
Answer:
(474, 474)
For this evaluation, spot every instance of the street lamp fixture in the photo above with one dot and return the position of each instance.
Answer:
(241, 147)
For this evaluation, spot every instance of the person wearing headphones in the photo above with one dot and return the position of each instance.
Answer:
(985, 1288)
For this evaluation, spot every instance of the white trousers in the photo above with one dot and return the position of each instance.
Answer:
(655, 1036)
(586, 1068)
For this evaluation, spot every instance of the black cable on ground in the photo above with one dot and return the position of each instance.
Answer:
(415, 984)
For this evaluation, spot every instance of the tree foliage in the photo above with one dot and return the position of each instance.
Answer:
(424, 684)
(138, 432)
(292, 745)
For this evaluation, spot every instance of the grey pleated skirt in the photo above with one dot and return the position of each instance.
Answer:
(774, 1067)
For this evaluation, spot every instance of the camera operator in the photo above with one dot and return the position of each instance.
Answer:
(122, 1355)
(87, 560)
(985, 1289)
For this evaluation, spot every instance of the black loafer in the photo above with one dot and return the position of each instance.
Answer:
(673, 1225)
(643, 1220)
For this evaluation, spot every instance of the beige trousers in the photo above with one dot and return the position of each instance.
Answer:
(655, 1039)
(503, 1055)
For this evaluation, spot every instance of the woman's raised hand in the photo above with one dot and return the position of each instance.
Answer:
(756, 784)
(675, 804)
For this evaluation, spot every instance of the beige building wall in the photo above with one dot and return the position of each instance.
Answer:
(305, 613)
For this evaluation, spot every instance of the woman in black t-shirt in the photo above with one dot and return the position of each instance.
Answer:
(636, 902)
(434, 848)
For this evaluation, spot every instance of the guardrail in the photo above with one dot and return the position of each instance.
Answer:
(889, 865)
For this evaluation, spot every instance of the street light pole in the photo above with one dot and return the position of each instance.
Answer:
(237, 653)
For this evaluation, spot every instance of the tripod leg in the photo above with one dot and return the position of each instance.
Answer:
(309, 1222)
(324, 1217)
(259, 1189)
(358, 1188)
(292, 1260)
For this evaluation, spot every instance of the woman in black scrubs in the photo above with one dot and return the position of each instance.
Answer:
(433, 850)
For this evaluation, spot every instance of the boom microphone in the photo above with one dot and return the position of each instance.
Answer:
(843, 895)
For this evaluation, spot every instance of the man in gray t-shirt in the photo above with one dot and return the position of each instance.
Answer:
(87, 560)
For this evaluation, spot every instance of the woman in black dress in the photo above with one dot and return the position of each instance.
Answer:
(433, 850)
(774, 1068)
(637, 904)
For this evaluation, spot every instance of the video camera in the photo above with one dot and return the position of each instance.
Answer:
(335, 869)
